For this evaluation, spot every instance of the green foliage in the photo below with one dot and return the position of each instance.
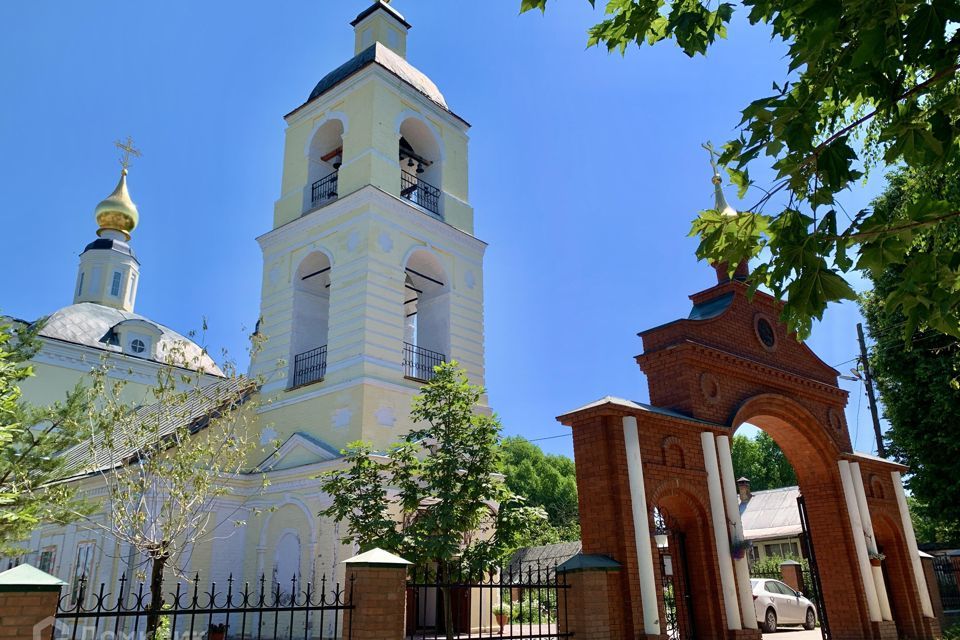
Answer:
(918, 379)
(762, 462)
(547, 481)
(436, 496)
(771, 565)
(30, 440)
(865, 83)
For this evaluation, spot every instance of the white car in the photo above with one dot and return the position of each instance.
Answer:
(777, 604)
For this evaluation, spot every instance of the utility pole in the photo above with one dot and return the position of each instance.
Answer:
(868, 382)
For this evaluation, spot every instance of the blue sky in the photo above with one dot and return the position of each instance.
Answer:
(586, 169)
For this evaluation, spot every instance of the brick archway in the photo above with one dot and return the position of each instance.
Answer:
(731, 362)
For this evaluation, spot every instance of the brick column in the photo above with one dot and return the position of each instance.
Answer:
(791, 572)
(378, 583)
(933, 587)
(590, 608)
(28, 603)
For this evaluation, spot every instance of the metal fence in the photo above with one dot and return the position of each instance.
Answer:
(500, 604)
(419, 192)
(947, 571)
(309, 366)
(324, 189)
(262, 611)
(418, 363)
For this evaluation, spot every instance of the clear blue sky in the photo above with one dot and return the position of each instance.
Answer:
(586, 169)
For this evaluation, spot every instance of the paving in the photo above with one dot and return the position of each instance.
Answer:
(790, 633)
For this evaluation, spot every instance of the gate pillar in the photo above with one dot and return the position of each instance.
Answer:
(28, 603)
(378, 584)
(589, 610)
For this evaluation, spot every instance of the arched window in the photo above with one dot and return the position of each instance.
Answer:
(324, 159)
(420, 165)
(427, 315)
(311, 316)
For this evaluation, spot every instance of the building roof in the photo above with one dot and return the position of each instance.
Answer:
(630, 404)
(771, 513)
(110, 244)
(91, 325)
(200, 405)
(545, 557)
(380, 54)
(376, 6)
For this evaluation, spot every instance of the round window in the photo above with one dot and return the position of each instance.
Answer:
(137, 346)
(765, 333)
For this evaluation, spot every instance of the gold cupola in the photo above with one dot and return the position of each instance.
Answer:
(117, 212)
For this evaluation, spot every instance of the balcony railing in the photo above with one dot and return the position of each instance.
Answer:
(419, 192)
(309, 366)
(323, 190)
(418, 363)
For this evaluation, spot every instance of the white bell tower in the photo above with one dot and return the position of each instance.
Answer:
(372, 274)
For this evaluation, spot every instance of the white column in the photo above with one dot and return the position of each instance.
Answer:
(730, 499)
(910, 539)
(871, 540)
(727, 581)
(856, 524)
(641, 528)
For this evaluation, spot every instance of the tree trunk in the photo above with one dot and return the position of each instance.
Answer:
(156, 595)
(447, 612)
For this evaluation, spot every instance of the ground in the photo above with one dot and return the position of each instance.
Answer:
(795, 633)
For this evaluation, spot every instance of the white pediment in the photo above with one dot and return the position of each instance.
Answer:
(300, 449)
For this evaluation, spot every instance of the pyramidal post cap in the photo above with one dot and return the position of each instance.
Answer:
(117, 212)
(377, 558)
(25, 577)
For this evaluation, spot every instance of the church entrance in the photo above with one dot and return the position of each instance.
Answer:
(729, 363)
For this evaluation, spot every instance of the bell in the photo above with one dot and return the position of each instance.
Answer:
(409, 162)
(420, 168)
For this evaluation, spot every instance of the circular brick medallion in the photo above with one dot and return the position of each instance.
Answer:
(710, 387)
(766, 334)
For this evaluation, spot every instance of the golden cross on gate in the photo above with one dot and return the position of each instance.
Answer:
(128, 150)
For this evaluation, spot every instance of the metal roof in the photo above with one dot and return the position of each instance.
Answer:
(91, 325)
(95, 455)
(630, 404)
(771, 513)
(377, 53)
(110, 244)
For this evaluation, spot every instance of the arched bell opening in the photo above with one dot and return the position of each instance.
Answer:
(311, 320)
(324, 158)
(426, 312)
(421, 169)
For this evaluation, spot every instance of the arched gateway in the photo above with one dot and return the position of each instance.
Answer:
(660, 476)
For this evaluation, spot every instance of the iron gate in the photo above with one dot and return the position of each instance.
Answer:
(675, 581)
(811, 555)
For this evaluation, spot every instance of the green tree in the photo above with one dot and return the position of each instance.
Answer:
(30, 440)
(762, 462)
(436, 497)
(545, 480)
(918, 379)
(164, 465)
(865, 83)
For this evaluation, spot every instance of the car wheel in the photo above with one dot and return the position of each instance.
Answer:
(811, 620)
(770, 621)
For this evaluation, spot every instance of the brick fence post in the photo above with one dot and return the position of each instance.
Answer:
(28, 603)
(588, 607)
(791, 572)
(933, 587)
(377, 582)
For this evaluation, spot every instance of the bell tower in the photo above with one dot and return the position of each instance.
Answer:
(372, 274)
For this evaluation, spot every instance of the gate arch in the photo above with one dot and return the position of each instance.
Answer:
(728, 363)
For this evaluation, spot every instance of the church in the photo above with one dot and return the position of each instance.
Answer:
(371, 276)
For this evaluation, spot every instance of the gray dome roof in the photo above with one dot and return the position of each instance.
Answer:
(92, 325)
(395, 64)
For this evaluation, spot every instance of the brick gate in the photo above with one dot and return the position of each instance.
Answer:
(730, 362)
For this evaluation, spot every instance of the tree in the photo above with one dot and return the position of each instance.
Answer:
(164, 465)
(547, 481)
(436, 497)
(865, 83)
(918, 379)
(30, 439)
(761, 461)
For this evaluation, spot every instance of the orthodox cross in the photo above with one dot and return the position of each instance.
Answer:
(713, 155)
(128, 150)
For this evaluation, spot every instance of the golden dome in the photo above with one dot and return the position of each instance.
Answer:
(117, 211)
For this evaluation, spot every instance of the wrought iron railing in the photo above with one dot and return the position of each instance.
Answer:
(419, 192)
(323, 189)
(309, 366)
(947, 571)
(500, 604)
(266, 610)
(418, 363)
